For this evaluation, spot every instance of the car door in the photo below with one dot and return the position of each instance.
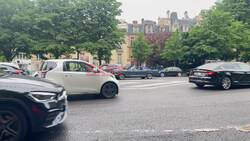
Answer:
(132, 72)
(246, 69)
(78, 79)
(237, 74)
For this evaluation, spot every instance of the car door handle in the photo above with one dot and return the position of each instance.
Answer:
(68, 75)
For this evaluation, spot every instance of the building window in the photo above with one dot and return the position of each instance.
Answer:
(119, 59)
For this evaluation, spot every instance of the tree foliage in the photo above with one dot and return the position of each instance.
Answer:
(222, 35)
(173, 51)
(14, 30)
(59, 27)
(141, 49)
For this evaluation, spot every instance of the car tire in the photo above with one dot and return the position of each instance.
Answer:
(162, 74)
(142, 77)
(200, 85)
(226, 83)
(109, 90)
(149, 76)
(121, 76)
(14, 124)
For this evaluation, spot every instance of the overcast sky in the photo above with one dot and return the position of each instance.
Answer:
(152, 9)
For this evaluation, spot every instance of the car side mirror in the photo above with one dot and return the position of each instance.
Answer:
(95, 70)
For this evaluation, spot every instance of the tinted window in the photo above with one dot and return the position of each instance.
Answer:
(230, 66)
(210, 66)
(245, 67)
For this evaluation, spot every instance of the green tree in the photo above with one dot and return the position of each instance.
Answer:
(240, 40)
(173, 51)
(239, 9)
(141, 49)
(101, 26)
(14, 30)
(50, 21)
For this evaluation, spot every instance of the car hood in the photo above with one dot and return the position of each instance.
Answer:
(24, 84)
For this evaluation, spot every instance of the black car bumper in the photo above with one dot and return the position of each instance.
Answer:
(49, 114)
(203, 80)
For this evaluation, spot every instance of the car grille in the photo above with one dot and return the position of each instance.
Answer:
(50, 118)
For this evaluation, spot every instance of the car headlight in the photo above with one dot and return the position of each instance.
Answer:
(42, 96)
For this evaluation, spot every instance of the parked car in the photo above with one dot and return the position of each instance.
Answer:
(11, 69)
(134, 72)
(28, 105)
(111, 68)
(223, 75)
(80, 77)
(171, 71)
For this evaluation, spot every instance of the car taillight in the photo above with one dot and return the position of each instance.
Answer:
(211, 73)
(19, 72)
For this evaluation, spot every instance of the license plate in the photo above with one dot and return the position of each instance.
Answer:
(199, 74)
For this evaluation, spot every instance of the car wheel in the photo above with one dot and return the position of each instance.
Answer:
(162, 75)
(226, 83)
(149, 76)
(142, 77)
(200, 85)
(121, 76)
(13, 124)
(109, 90)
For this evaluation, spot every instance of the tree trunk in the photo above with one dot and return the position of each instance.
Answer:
(100, 62)
(78, 55)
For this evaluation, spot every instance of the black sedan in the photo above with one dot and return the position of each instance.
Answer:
(134, 73)
(223, 75)
(170, 71)
(29, 105)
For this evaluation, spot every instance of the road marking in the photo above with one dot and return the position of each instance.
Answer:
(153, 86)
(207, 130)
(158, 84)
(126, 83)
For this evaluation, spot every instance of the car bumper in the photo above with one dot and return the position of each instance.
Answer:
(202, 80)
(58, 114)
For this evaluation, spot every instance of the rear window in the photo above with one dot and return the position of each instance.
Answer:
(210, 66)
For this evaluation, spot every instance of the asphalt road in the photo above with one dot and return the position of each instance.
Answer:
(159, 109)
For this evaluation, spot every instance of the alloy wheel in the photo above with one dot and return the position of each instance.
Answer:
(121, 77)
(149, 76)
(10, 126)
(226, 83)
(109, 90)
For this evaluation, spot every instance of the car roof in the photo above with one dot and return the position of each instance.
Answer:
(67, 60)
(215, 65)
(64, 60)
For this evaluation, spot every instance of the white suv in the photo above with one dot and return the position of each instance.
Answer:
(80, 77)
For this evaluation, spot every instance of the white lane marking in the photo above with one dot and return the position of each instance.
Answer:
(127, 83)
(168, 131)
(207, 130)
(155, 87)
(158, 84)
